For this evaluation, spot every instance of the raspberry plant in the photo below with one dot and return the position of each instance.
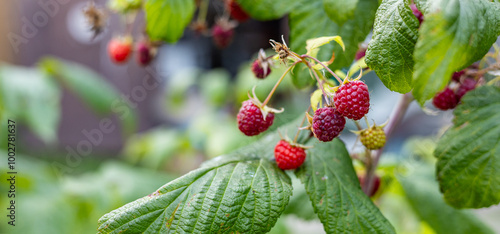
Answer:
(415, 49)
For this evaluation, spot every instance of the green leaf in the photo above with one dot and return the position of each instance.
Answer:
(243, 192)
(28, 95)
(167, 19)
(309, 20)
(91, 88)
(316, 99)
(390, 52)
(267, 9)
(423, 194)
(456, 34)
(312, 45)
(340, 10)
(468, 167)
(337, 198)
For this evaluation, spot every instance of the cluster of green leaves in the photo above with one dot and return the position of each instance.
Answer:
(421, 58)
(408, 56)
(33, 95)
(246, 192)
(71, 204)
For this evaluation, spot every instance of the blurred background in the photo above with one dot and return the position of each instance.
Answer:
(164, 119)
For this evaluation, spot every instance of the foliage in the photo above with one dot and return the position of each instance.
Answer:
(230, 192)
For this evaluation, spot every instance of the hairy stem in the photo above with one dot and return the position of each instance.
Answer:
(326, 67)
(278, 83)
(396, 117)
(301, 123)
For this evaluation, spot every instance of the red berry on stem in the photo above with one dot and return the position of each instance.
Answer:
(144, 53)
(445, 99)
(236, 12)
(223, 33)
(251, 121)
(327, 124)
(288, 156)
(352, 100)
(119, 49)
(259, 71)
(466, 86)
(456, 75)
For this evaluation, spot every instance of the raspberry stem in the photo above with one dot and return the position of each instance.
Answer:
(202, 11)
(395, 119)
(301, 123)
(268, 98)
(326, 67)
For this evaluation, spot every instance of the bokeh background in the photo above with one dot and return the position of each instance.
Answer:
(187, 118)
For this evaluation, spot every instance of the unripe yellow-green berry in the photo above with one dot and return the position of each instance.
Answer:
(373, 138)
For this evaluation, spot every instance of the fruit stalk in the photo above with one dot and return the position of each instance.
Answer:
(277, 84)
(326, 67)
(395, 119)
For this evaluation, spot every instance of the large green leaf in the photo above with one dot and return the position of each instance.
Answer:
(243, 192)
(28, 95)
(468, 167)
(336, 196)
(390, 52)
(340, 10)
(91, 88)
(454, 35)
(423, 194)
(267, 9)
(309, 20)
(167, 19)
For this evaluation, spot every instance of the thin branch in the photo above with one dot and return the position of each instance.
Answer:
(326, 67)
(277, 84)
(396, 117)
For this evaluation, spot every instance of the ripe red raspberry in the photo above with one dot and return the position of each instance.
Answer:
(119, 49)
(223, 33)
(445, 99)
(145, 53)
(373, 138)
(375, 187)
(417, 13)
(327, 124)
(456, 75)
(236, 12)
(466, 86)
(288, 156)
(352, 100)
(259, 71)
(250, 120)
